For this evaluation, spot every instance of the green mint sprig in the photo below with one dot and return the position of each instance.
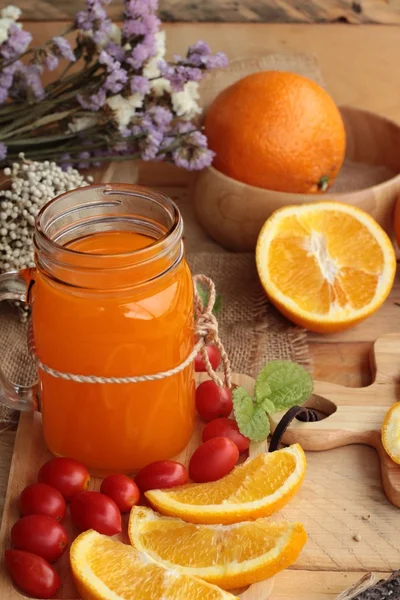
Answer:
(280, 385)
(203, 293)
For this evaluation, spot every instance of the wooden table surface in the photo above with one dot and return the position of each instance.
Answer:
(264, 11)
(361, 68)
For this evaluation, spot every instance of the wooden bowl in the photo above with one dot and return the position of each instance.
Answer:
(233, 212)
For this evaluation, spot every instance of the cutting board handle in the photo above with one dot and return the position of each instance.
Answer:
(355, 415)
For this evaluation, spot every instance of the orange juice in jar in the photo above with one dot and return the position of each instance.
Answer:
(111, 298)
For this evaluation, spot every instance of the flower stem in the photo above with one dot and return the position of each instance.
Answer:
(42, 139)
(14, 126)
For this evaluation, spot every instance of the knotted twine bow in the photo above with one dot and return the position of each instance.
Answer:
(206, 332)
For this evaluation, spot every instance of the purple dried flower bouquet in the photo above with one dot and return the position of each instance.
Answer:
(122, 101)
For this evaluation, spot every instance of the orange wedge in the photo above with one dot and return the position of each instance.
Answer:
(326, 265)
(391, 432)
(230, 556)
(104, 569)
(257, 488)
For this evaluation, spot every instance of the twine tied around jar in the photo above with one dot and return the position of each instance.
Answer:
(206, 331)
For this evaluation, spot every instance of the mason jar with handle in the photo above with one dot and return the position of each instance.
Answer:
(111, 299)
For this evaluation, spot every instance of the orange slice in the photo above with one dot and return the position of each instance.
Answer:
(391, 432)
(104, 569)
(231, 556)
(257, 488)
(325, 265)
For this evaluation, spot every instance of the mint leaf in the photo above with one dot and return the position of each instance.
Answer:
(257, 427)
(263, 392)
(267, 405)
(243, 405)
(290, 383)
(218, 304)
(252, 420)
(204, 298)
(262, 388)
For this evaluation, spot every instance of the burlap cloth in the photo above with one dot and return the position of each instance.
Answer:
(251, 329)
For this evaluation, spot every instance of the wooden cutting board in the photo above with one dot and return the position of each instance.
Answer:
(30, 453)
(355, 415)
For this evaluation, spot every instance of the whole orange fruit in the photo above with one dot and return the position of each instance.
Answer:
(277, 130)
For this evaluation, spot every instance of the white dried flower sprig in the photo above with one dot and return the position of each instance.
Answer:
(31, 185)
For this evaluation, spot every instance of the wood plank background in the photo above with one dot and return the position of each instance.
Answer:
(258, 11)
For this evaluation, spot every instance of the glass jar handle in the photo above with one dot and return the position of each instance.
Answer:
(14, 286)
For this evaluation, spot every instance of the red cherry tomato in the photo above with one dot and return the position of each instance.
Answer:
(92, 510)
(32, 574)
(226, 428)
(212, 401)
(67, 475)
(213, 356)
(122, 489)
(42, 499)
(41, 535)
(161, 474)
(213, 459)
